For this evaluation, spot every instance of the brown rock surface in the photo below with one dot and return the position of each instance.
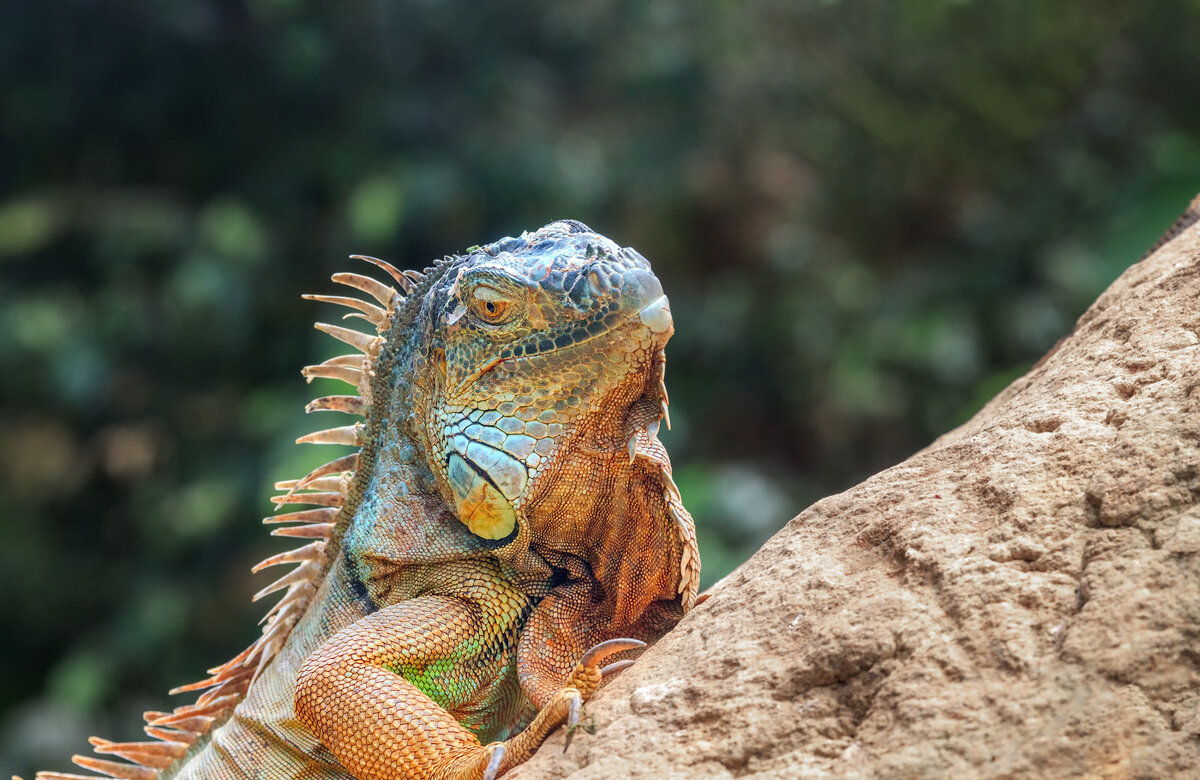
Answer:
(1020, 599)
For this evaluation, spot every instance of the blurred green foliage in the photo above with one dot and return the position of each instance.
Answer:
(869, 216)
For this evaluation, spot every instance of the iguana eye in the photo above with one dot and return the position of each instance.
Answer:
(489, 304)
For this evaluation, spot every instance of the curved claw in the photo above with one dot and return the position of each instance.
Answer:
(573, 708)
(493, 765)
(573, 711)
(594, 657)
(615, 667)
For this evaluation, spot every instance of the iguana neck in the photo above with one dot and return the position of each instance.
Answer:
(399, 517)
(390, 452)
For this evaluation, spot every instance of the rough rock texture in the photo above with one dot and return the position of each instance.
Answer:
(1021, 599)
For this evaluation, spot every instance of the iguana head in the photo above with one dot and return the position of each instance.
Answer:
(531, 338)
(540, 394)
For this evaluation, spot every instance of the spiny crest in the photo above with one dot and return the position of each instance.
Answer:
(685, 527)
(644, 443)
(325, 487)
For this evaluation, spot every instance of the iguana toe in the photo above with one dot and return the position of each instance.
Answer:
(573, 706)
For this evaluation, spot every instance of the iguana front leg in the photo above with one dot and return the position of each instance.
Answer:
(368, 692)
(351, 694)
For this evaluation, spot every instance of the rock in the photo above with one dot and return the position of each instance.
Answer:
(1020, 599)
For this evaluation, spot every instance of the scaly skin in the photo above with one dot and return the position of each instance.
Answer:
(508, 527)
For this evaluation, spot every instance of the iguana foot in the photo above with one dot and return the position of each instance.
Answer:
(566, 704)
(588, 673)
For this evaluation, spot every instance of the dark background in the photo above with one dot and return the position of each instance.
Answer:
(869, 217)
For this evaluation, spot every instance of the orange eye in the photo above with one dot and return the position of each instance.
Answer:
(489, 305)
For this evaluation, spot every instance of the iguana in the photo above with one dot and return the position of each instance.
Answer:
(507, 526)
